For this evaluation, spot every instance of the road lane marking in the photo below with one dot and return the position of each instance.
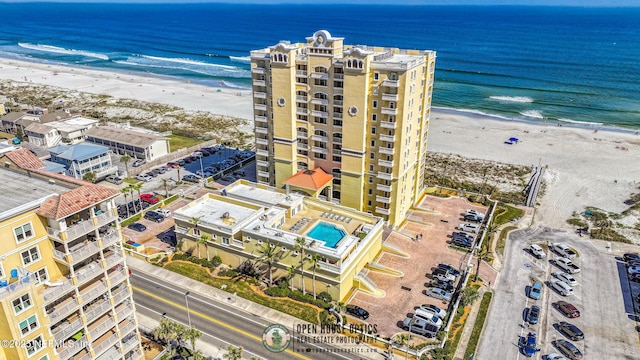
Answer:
(209, 318)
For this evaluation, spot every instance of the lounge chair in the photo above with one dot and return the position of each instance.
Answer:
(349, 220)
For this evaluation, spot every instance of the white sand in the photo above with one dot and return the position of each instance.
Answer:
(582, 165)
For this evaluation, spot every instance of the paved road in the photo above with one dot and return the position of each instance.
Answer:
(609, 332)
(221, 325)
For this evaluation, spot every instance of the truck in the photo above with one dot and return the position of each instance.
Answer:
(563, 250)
(567, 265)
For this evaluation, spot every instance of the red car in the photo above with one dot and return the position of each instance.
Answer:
(567, 309)
(173, 164)
(149, 198)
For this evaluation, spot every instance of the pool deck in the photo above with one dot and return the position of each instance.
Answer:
(316, 216)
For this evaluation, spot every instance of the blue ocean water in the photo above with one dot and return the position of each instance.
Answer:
(537, 63)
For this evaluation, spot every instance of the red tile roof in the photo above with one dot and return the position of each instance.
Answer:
(24, 159)
(309, 179)
(60, 206)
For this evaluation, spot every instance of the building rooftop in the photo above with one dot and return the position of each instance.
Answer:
(123, 136)
(217, 213)
(73, 124)
(12, 116)
(60, 206)
(80, 151)
(269, 197)
(20, 189)
(23, 158)
(309, 179)
(38, 128)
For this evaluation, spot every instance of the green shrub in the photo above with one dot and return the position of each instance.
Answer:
(277, 291)
(577, 222)
(325, 296)
(215, 261)
(228, 273)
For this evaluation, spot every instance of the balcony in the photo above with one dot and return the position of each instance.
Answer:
(337, 115)
(61, 333)
(319, 150)
(259, 95)
(319, 75)
(320, 114)
(259, 118)
(261, 152)
(386, 151)
(98, 328)
(319, 138)
(57, 288)
(263, 174)
(259, 83)
(262, 163)
(110, 239)
(78, 253)
(90, 293)
(69, 350)
(338, 76)
(63, 309)
(389, 97)
(100, 346)
(262, 130)
(262, 141)
(302, 111)
(124, 330)
(117, 277)
(81, 228)
(124, 312)
(262, 107)
(300, 98)
(382, 187)
(121, 295)
(385, 176)
(130, 344)
(302, 146)
(317, 101)
(323, 265)
(258, 70)
(113, 260)
(389, 111)
(112, 353)
(97, 310)
(389, 138)
(388, 124)
(302, 134)
(389, 83)
(301, 73)
(383, 199)
(385, 163)
(88, 272)
(383, 211)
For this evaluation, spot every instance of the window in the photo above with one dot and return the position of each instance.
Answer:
(372, 155)
(370, 179)
(371, 168)
(369, 203)
(225, 240)
(370, 191)
(374, 117)
(375, 104)
(295, 252)
(31, 255)
(373, 143)
(376, 76)
(35, 345)
(196, 232)
(41, 276)
(373, 130)
(28, 325)
(23, 232)
(22, 303)
(1, 271)
(214, 236)
(46, 357)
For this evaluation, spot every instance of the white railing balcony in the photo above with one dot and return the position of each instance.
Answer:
(84, 252)
(121, 295)
(262, 107)
(391, 83)
(18, 286)
(317, 101)
(337, 115)
(61, 333)
(262, 141)
(259, 83)
(112, 340)
(96, 291)
(385, 163)
(389, 138)
(57, 254)
(329, 267)
(117, 278)
(385, 176)
(300, 98)
(319, 138)
(319, 150)
(262, 163)
(123, 313)
(88, 272)
(382, 187)
(97, 311)
(388, 124)
(302, 146)
(389, 111)
(337, 152)
(72, 349)
(259, 95)
(259, 118)
(262, 130)
(383, 211)
(338, 103)
(319, 75)
(302, 134)
(106, 218)
(113, 260)
(257, 70)
(110, 239)
(56, 289)
(301, 73)
(338, 76)
(136, 355)
(383, 199)
(389, 97)
(261, 152)
(127, 328)
(130, 344)
(320, 114)
(263, 174)
(386, 151)
(302, 111)
(102, 328)
(112, 353)
(63, 311)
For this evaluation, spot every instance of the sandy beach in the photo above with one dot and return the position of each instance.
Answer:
(585, 167)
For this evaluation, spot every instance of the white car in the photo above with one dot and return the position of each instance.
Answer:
(428, 317)
(537, 251)
(474, 212)
(563, 250)
(434, 309)
(562, 287)
(472, 228)
(164, 212)
(144, 177)
(568, 266)
(197, 154)
(555, 356)
(633, 270)
(438, 294)
(565, 277)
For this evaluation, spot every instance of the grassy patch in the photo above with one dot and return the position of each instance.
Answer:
(505, 213)
(577, 222)
(170, 199)
(195, 272)
(178, 142)
(131, 181)
(609, 235)
(502, 240)
(131, 220)
(477, 327)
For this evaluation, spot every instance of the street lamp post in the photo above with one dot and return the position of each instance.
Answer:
(204, 180)
(186, 299)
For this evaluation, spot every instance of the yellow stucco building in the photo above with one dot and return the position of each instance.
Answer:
(359, 113)
(64, 288)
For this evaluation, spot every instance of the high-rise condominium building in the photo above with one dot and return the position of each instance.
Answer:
(64, 284)
(343, 122)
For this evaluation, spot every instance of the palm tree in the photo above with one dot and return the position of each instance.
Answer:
(137, 187)
(269, 255)
(314, 260)
(125, 192)
(166, 191)
(203, 241)
(131, 189)
(301, 246)
(403, 339)
(125, 160)
(165, 332)
(469, 296)
(291, 271)
(191, 335)
(233, 353)
(90, 177)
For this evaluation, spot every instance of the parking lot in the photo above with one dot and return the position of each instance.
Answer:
(433, 223)
(609, 332)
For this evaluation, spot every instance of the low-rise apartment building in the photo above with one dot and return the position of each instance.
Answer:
(82, 158)
(137, 144)
(70, 131)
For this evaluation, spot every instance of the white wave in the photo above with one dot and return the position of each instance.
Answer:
(580, 122)
(216, 71)
(241, 59)
(59, 50)
(537, 114)
(520, 99)
(187, 61)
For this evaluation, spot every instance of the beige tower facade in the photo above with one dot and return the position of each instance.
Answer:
(360, 113)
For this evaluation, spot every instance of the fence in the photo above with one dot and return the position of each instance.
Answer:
(169, 157)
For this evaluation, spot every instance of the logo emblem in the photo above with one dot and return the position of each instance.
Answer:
(276, 338)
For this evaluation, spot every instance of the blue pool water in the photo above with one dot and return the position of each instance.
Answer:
(328, 233)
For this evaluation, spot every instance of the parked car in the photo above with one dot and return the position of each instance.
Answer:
(428, 316)
(565, 277)
(568, 309)
(151, 173)
(462, 235)
(474, 212)
(164, 212)
(137, 227)
(173, 164)
(468, 227)
(563, 250)
(444, 285)
(631, 257)
(114, 179)
(211, 169)
(533, 314)
(474, 218)
(568, 349)
(555, 356)
(632, 270)
(566, 265)
(420, 327)
(169, 239)
(190, 178)
(561, 287)
(138, 162)
(239, 173)
(434, 309)
(357, 311)
(150, 198)
(443, 275)
(452, 270)
(571, 331)
(536, 290)
(188, 160)
(462, 242)
(144, 177)
(529, 345)
(537, 251)
(229, 178)
(197, 154)
(202, 174)
(205, 152)
(154, 216)
(181, 162)
(438, 294)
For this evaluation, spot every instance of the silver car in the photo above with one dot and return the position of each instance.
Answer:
(438, 294)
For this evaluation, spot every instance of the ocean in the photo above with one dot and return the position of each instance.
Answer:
(556, 64)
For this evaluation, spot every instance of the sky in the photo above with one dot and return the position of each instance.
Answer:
(583, 3)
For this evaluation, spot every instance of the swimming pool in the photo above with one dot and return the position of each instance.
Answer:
(328, 233)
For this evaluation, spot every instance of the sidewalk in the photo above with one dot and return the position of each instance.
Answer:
(468, 326)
